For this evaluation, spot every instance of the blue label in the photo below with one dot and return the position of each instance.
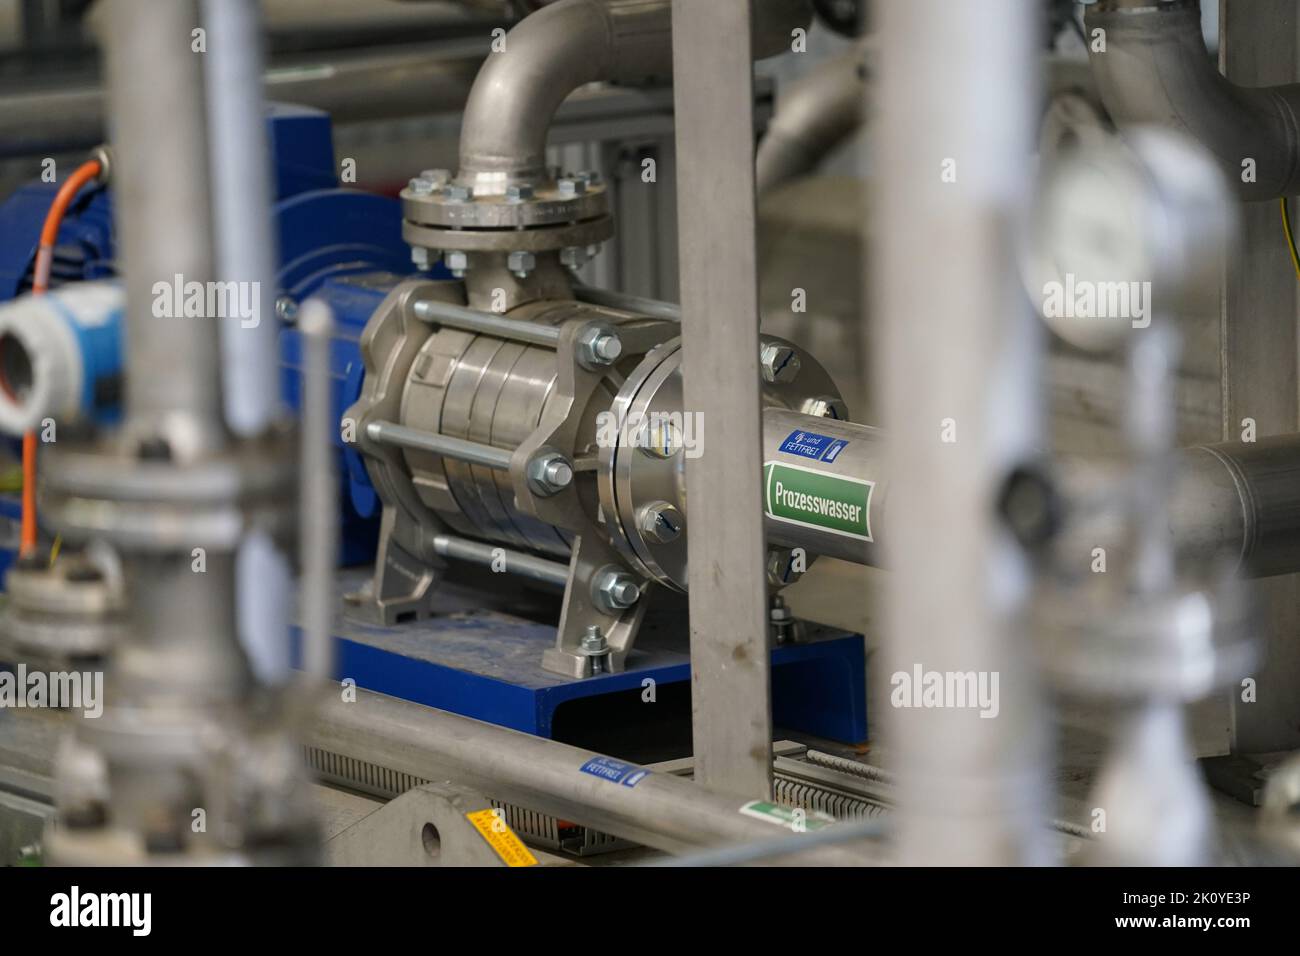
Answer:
(615, 771)
(833, 449)
(814, 446)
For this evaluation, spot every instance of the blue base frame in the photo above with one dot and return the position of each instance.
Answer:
(486, 665)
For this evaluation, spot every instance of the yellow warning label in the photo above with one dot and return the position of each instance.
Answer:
(491, 824)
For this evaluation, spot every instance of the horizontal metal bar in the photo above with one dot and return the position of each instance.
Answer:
(513, 562)
(485, 323)
(476, 453)
(660, 810)
(629, 303)
(395, 83)
(744, 853)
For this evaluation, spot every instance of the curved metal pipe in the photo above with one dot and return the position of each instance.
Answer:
(816, 114)
(563, 46)
(1155, 69)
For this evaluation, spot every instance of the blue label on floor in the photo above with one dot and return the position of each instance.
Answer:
(814, 446)
(615, 771)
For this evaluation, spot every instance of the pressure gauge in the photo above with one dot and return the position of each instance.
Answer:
(1126, 230)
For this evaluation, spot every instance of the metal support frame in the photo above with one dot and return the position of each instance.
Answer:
(714, 95)
(1259, 371)
(426, 826)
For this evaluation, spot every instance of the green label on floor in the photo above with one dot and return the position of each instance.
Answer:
(797, 819)
(815, 499)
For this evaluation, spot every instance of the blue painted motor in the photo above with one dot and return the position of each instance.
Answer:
(342, 245)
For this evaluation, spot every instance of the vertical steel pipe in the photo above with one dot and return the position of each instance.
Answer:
(958, 357)
(245, 261)
(241, 210)
(318, 525)
(160, 183)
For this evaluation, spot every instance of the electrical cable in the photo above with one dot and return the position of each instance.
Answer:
(1290, 236)
(83, 174)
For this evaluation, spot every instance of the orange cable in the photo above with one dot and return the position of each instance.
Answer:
(27, 543)
(83, 174)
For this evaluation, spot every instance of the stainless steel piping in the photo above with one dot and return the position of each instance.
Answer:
(180, 500)
(813, 116)
(362, 87)
(240, 166)
(661, 810)
(241, 209)
(958, 360)
(318, 523)
(1231, 503)
(563, 46)
(1263, 531)
(1155, 69)
(163, 213)
(859, 463)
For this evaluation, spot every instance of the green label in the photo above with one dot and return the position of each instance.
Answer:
(800, 820)
(816, 499)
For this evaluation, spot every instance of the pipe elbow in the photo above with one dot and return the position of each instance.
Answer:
(1152, 67)
(814, 116)
(545, 57)
(563, 46)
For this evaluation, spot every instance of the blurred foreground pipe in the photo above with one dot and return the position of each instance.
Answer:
(959, 358)
(163, 217)
(351, 88)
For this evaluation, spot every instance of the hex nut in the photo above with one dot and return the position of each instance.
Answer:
(661, 521)
(549, 473)
(457, 262)
(574, 257)
(599, 346)
(521, 263)
(779, 363)
(826, 406)
(571, 188)
(616, 590)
